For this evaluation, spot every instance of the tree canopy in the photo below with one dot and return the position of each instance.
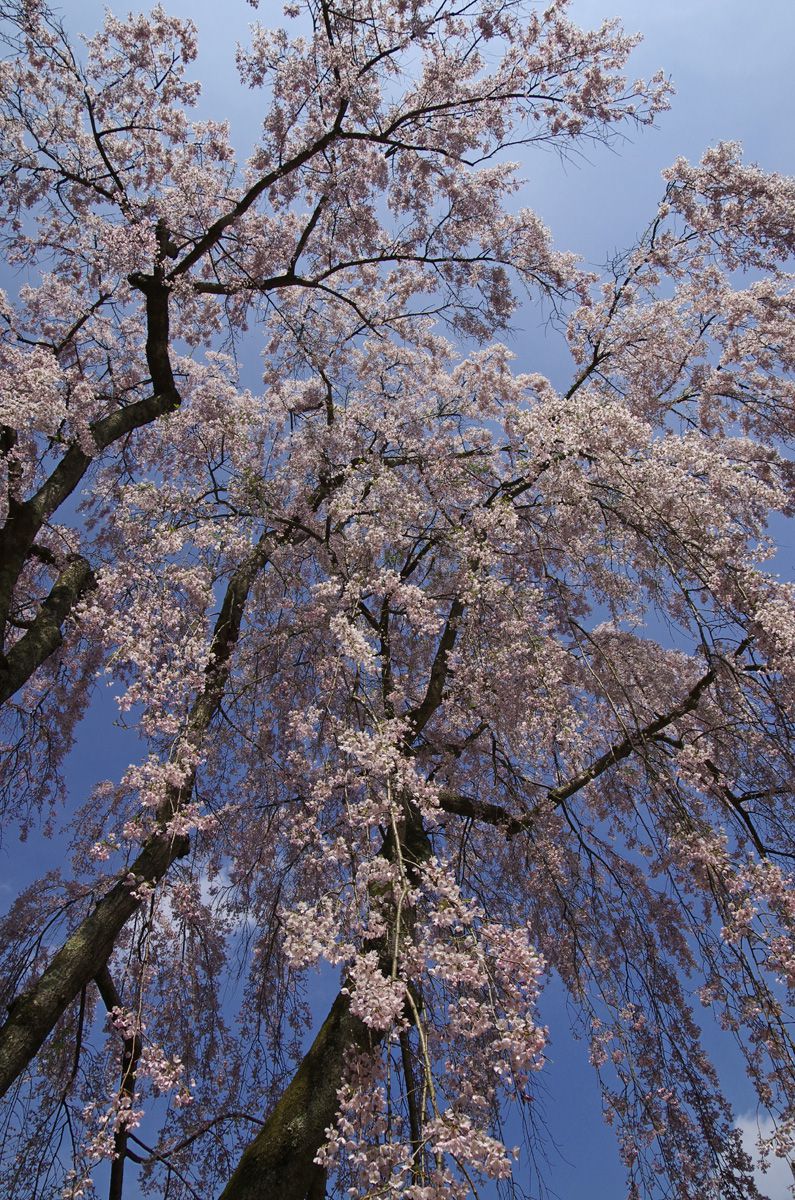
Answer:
(447, 679)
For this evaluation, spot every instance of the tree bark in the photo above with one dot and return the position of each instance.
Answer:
(279, 1163)
(44, 635)
(33, 1014)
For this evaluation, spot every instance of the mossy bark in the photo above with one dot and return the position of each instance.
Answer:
(279, 1163)
(44, 635)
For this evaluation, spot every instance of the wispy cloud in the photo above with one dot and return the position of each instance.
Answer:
(778, 1182)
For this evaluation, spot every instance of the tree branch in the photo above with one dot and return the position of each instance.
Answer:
(34, 1013)
(26, 518)
(218, 227)
(493, 814)
(129, 1063)
(419, 716)
(44, 634)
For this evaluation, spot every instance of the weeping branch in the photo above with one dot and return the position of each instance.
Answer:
(33, 1014)
(129, 1063)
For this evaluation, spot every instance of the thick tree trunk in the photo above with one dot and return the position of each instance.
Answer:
(279, 1163)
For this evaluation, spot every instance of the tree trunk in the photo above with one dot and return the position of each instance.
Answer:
(279, 1163)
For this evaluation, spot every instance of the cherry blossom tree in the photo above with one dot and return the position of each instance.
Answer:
(447, 679)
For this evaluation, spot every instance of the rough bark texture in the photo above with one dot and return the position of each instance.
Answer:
(44, 635)
(278, 1165)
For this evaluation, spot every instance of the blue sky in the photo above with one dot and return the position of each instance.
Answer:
(732, 66)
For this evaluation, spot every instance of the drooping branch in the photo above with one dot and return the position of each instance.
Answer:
(34, 1013)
